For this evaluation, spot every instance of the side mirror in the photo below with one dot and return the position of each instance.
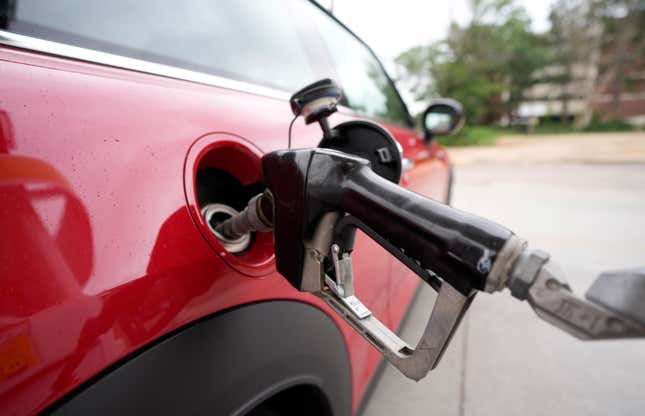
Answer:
(443, 116)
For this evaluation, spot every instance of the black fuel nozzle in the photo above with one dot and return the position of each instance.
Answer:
(329, 194)
(305, 184)
(459, 247)
(321, 196)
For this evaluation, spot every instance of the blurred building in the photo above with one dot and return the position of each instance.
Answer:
(601, 78)
(556, 100)
(627, 104)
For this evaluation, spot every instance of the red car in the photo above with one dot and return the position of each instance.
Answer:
(119, 121)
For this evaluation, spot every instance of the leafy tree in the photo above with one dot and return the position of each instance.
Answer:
(495, 53)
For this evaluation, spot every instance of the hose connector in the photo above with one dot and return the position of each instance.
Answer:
(257, 216)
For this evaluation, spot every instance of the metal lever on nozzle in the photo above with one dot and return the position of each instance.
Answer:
(413, 362)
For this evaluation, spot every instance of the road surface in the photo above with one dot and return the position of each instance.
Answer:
(583, 147)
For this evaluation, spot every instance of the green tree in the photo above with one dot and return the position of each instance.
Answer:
(493, 55)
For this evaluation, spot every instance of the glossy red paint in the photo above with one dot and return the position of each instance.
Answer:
(101, 250)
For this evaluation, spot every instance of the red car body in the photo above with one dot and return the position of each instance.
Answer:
(103, 250)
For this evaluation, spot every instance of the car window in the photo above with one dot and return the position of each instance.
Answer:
(268, 42)
(247, 40)
(365, 85)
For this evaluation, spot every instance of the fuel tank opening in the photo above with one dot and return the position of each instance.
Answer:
(214, 215)
(222, 174)
(221, 196)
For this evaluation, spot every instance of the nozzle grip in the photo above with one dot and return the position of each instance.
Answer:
(307, 183)
(460, 247)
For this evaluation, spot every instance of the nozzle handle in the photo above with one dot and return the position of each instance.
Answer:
(458, 246)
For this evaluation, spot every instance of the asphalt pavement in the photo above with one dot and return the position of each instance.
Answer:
(504, 360)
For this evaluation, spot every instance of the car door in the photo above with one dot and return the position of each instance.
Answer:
(116, 115)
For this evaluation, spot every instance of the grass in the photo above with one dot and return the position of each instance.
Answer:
(615, 125)
(487, 135)
(474, 136)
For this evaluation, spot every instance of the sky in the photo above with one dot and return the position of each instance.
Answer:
(390, 27)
